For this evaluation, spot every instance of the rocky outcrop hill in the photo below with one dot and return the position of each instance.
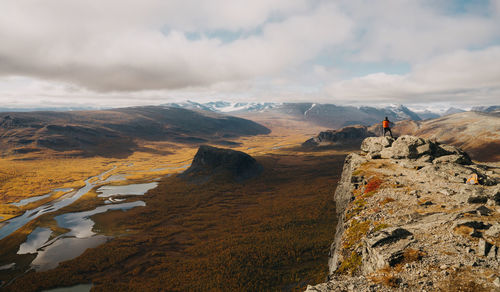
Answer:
(347, 136)
(210, 161)
(408, 221)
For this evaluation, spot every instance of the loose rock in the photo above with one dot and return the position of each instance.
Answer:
(418, 214)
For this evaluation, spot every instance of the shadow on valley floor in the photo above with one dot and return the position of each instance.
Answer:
(269, 233)
(341, 147)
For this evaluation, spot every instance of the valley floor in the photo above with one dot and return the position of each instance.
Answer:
(272, 232)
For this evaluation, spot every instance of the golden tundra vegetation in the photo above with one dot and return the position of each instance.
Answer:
(269, 233)
(33, 174)
(24, 176)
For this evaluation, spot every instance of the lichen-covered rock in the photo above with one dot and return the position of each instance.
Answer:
(342, 198)
(376, 144)
(493, 231)
(426, 149)
(406, 147)
(411, 147)
(453, 158)
(449, 149)
(484, 247)
(385, 248)
(348, 284)
(408, 222)
(386, 153)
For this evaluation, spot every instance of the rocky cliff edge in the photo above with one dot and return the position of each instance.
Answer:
(409, 222)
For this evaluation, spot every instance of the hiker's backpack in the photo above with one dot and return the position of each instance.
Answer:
(472, 180)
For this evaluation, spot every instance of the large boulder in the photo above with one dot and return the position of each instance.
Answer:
(212, 160)
(374, 145)
(454, 158)
(411, 147)
(385, 248)
(406, 147)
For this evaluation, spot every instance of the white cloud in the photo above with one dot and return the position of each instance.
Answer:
(463, 76)
(495, 6)
(131, 52)
(413, 31)
(109, 55)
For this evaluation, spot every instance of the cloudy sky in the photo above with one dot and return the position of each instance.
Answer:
(124, 52)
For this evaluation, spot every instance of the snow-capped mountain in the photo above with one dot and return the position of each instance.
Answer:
(189, 105)
(331, 115)
(328, 115)
(399, 111)
(402, 112)
(241, 106)
(435, 110)
(227, 107)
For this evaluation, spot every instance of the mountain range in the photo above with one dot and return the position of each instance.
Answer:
(327, 115)
(116, 132)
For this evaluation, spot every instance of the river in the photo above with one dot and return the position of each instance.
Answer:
(50, 250)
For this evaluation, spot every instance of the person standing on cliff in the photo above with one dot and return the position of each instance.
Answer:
(386, 124)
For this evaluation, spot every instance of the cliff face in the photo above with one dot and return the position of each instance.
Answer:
(210, 161)
(347, 136)
(408, 221)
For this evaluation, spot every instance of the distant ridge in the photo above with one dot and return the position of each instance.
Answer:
(327, 115)
(115, 132)
(54, 109)
(487, 109)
